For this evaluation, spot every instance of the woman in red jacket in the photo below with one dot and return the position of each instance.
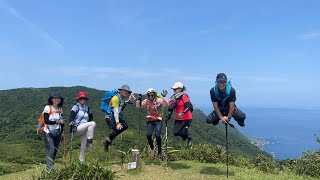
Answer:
(180, 102)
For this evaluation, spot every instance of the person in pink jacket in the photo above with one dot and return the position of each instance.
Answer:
(154, 104)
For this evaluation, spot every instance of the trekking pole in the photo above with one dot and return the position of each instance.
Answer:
(140, 115)
(122, 157)
(227, 157)
(64, 149)
(166, 142)
(168, 118)
(71, 148)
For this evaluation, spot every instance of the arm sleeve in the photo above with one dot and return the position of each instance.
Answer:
(73, 113)
(46, 119)
(72, 116)
(116, 114)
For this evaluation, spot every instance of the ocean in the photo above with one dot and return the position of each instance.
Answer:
(287, 133)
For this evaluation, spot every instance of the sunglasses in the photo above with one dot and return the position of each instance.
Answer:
(83, 99)
(222, 82)
(150, 95)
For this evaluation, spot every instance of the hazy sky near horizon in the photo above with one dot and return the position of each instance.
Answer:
(269, 49)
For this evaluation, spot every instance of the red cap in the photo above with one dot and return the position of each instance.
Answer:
(81, 94)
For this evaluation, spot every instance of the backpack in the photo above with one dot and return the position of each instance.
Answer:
(228, 90)
(180, 97)
(105, 101)
(41, 125)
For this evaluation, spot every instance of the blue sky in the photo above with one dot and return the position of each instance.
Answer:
(270, 49)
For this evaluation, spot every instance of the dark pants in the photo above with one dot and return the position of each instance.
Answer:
(112, 124)
(157, 126)
(238, 115)
(52, 145)
(181, 128)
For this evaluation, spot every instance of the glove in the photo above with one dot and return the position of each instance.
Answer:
(139, 97)
(60, 121)
(164, 93)
(62, 136)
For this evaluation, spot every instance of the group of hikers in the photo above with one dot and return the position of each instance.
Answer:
(223, 97)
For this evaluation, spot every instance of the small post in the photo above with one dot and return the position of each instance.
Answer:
(135, 159)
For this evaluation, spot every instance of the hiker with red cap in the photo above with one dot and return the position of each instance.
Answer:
(223, 97)
(180, 102)
(82, 124)
(154, 105)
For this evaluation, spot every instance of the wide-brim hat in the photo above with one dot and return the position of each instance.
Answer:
(56, 95)
(125, 87)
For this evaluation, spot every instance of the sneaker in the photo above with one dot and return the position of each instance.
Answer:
(90, 144)
(106, 145)
(189, 143)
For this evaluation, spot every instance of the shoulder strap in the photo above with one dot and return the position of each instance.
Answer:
(50, 109)
(228, 88)
(120, 100)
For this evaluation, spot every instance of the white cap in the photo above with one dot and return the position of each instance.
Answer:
(150, 90)
(177, 85)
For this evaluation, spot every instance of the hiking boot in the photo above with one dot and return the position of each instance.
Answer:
(241, 124)
(152, 147)
(160, 157)
(106, 145)
(90, 144)
(189, 143)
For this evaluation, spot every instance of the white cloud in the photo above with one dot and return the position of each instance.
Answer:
(131, 73)
(310, 35)
(43, 34)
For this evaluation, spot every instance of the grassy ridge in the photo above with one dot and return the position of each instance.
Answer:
(153, 170)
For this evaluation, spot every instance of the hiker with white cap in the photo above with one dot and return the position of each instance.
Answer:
(180, 102)
(82, 124)
(154, 105)
(114, 120)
